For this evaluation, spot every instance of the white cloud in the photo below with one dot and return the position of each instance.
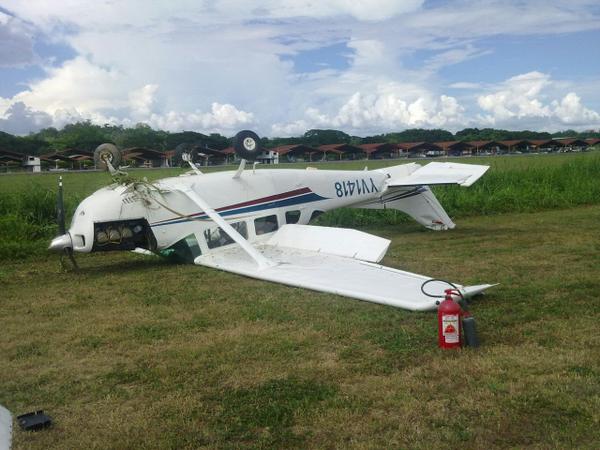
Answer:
(570, 111)
(453, 56)
(77, 84)
(465, 85)
(101, 13)
(216, 65)
(20, 120)
(141, 101)
(524, 99)
(222, 118)
(16, 49)
(295, 128)
(517, 98)
(387, 110)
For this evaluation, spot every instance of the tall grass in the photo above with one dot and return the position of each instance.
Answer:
(540, 184)
(28, 218)
(526, 189)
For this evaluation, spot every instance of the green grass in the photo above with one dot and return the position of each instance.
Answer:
(133, 352)
(513, 184)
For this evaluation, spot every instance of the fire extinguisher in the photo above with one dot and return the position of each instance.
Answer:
(456, 325)
(449, 321)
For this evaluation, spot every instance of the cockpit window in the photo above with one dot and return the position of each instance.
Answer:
(292, 216)
(264, 225)
(315, 215)
(216, 237)
(183, 251)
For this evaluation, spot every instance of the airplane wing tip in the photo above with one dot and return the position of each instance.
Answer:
(470, 291)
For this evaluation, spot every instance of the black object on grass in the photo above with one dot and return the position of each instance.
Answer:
(34, 421)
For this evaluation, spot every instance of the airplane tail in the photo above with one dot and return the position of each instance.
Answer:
(406, 189)
(418, 202)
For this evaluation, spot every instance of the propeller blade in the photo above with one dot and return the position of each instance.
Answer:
(71, 256)
(60, 209)
(62, 228)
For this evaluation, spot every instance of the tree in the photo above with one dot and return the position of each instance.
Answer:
(28, 145)
(80, 136)
(412, 135)
(322, 137)
(142, 135)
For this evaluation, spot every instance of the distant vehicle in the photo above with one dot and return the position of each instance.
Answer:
(434, 153)
(255, 222)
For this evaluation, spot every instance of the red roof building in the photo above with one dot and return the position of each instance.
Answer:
(380, 151)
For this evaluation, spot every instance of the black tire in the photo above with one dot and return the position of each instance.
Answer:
(107, 152)
(247, 145)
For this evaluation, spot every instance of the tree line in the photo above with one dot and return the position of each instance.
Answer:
(86, 136)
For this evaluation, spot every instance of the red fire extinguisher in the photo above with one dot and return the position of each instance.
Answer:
(449, 322)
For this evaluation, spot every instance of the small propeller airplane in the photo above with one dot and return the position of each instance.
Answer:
(255, 222)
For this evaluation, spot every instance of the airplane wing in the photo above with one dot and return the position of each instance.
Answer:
(334, 260)
(307, 258)
(440, 173)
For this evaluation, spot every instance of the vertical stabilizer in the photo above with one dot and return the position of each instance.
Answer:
(423, 206)
(418, 202)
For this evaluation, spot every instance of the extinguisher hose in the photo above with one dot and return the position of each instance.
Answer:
(431, 280)
(462, 301)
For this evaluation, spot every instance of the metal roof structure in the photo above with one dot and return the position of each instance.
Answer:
(348, 150)
(295, 149)
(414, 147)
(452, 145)
(142, 153)
(540, 143)
(8, 156)
(486, 144)
(573, 142)
(370, 149)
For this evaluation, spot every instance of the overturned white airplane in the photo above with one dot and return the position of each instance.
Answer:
(255, 223)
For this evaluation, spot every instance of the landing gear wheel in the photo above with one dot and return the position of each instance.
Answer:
(182, 149)
(107, 152)
(247, 145)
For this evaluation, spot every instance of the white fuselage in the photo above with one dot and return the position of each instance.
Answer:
(253, 223)
(292, 196)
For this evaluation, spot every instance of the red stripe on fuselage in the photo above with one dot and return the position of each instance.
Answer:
(267, 199)
(270, 198)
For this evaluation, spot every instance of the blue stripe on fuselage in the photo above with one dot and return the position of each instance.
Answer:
(306, 198)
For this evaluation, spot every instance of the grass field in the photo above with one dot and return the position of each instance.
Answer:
(132, 352)
(514, 184)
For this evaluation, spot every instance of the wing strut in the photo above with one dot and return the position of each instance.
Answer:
(262, 262)
(240, 169)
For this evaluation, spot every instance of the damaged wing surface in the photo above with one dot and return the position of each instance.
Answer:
(306, 256)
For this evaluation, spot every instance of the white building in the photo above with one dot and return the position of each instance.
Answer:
(32, 163)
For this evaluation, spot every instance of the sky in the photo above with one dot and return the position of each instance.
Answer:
(281, 67)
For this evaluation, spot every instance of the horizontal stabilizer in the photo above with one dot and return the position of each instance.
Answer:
(441, 173)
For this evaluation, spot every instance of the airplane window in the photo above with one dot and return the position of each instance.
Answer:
(216, 237)
(316, 213)
(292, 216)
(183, 251)
(265, 225)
